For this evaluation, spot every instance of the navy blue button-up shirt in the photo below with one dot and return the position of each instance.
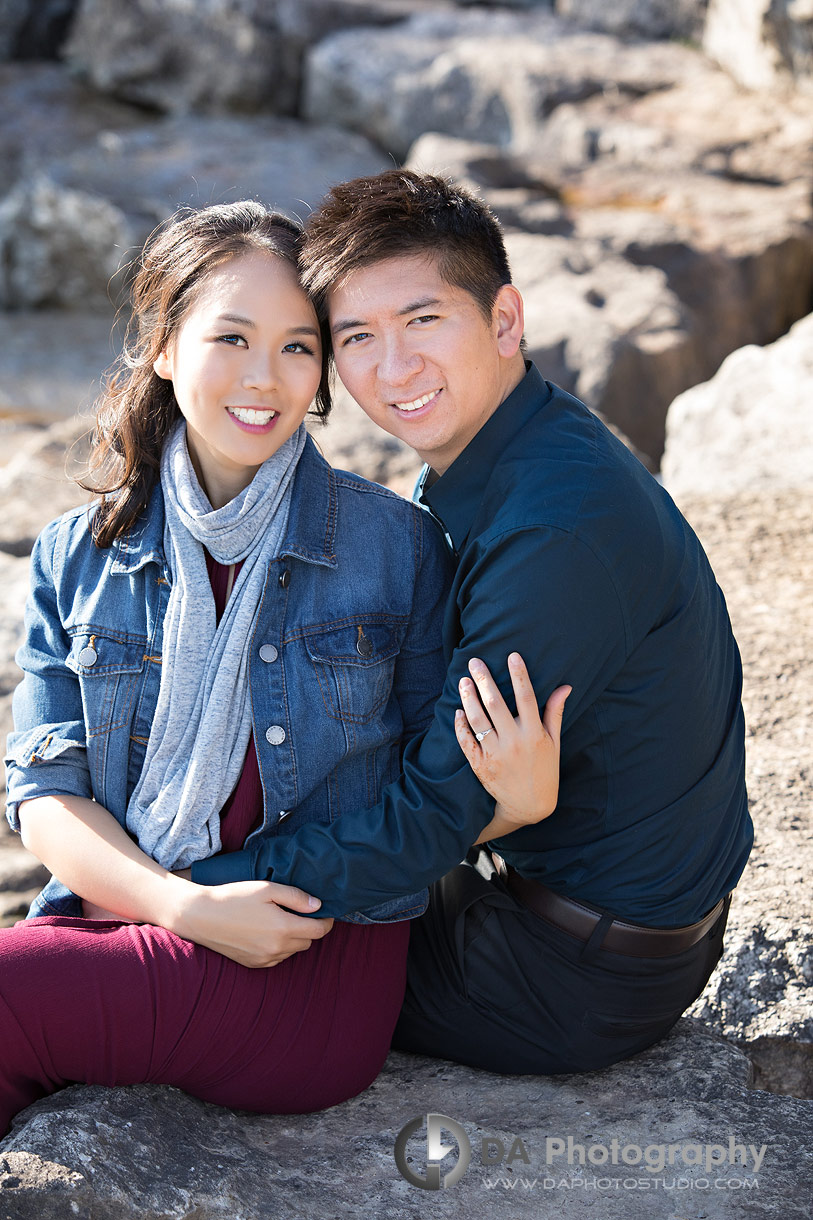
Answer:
(568, 551)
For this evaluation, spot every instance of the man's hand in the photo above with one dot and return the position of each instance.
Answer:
(516, 759)
(252, 922)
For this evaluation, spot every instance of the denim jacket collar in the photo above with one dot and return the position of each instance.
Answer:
(311, 534)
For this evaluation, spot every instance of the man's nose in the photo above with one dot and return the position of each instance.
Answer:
(398, 364)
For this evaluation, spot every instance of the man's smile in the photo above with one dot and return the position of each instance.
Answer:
(417, 403)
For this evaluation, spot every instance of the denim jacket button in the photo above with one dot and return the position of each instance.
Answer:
(275, 735)
(268, 653)
(285, 578)
(88, 656)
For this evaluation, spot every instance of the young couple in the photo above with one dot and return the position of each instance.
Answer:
(239, 735)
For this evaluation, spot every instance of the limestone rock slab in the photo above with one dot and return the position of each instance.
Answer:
(484, 75)
(33, 29)
(644, 18)
(148, 1152)
(59, 247)
(763, 43)
(751, 425)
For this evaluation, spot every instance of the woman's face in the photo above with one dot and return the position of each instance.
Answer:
(245, 365)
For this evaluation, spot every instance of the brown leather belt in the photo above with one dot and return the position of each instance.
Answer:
(631, 939)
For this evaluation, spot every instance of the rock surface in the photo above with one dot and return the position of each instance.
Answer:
(33, 29)
(645, 18)
(148, 1153)
(751, 426)
(762, 43)
(59, 247)
(237, 55)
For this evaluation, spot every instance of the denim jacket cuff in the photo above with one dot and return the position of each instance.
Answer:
(45, 761)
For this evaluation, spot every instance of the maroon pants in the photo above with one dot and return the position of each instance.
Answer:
(111, 1003)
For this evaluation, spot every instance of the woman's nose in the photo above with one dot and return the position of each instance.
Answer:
(260, 373)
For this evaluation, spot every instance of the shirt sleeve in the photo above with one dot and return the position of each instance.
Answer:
(540, 591)
(45, 753)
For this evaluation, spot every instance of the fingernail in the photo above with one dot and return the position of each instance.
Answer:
(514, 659)
(313, 903)
(476, 667)
(458, 714)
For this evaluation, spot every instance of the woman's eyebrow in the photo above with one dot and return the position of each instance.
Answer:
(236, 319)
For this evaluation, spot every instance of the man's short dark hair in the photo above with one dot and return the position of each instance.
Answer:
(400, 213)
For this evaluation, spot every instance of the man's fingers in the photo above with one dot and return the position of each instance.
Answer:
(554, 710)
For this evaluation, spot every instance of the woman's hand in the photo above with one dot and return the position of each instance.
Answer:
(516, 759)
(252, 922)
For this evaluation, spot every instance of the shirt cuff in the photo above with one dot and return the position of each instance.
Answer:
(218, 870)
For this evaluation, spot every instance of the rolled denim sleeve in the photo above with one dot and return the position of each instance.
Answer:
(46, 752)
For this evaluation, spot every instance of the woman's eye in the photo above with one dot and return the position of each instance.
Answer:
(298, 346)
(233, 340)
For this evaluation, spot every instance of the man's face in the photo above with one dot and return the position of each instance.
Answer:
(419, 356)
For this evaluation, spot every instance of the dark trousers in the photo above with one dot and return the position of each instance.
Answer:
(493, 985)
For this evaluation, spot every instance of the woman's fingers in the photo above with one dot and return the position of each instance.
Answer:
(476, 716)
(554, 711)
(494, 707)
(524, 694)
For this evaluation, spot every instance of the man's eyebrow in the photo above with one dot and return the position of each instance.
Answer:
(412, 307)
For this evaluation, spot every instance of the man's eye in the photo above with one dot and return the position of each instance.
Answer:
(426, 317)
(362, 334)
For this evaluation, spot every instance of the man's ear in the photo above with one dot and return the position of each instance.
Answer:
(509, 318)
(163, 366)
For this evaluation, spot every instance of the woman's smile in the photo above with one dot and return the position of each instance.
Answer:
(245, 365)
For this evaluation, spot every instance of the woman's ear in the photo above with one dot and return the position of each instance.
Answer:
(163, 366)
(509, 317)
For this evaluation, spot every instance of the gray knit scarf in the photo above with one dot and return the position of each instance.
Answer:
(202, 722)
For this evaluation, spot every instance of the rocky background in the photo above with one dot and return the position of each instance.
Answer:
(651, 162)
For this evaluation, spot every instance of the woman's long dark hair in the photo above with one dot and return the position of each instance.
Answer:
(137, 408)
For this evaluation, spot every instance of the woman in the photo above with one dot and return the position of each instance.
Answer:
(235, 640)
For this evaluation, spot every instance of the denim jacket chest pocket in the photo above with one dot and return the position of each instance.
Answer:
(354, 663)
(108, 667)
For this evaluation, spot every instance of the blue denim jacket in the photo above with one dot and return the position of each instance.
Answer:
(346, 659)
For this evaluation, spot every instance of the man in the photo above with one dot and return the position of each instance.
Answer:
(595, 928)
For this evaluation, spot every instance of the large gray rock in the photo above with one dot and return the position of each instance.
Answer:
(33, 29)
(182, 55)
(482, 75)
(149, 171)
(609, 332)
(53, 116)
(59, 247)
(751, 425)
(762, 43)
(146, 1153)
(644, 18)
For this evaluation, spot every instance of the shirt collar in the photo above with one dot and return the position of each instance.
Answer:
(454, 497)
